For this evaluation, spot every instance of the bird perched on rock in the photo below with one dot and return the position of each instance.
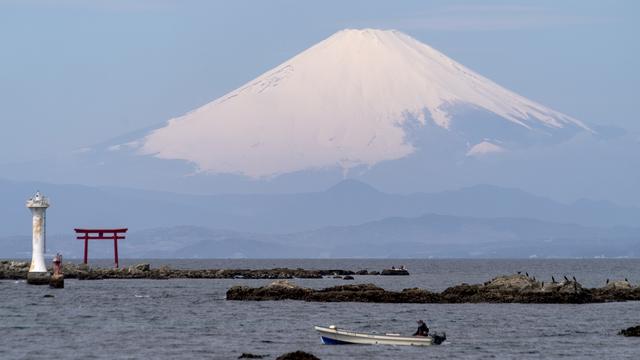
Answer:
(519, 272)
(607, 280)
(565, 278)
(553, 280)
(625, 279)
(527, 274)
(574, 279)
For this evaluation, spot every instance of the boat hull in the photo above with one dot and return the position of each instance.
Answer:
(335, 336)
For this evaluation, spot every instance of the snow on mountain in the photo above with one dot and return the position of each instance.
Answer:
(483, 148)
(344, 102)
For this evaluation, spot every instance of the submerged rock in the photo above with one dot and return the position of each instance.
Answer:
(632, 331)
(251, 356)
(297, 355)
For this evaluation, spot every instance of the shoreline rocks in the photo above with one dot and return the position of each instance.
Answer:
(501, 289)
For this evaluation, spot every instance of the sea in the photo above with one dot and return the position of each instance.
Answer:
(190, 319)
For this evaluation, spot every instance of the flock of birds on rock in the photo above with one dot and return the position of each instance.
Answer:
(566, 279)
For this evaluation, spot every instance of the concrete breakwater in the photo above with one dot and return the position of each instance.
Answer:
(17, 270)
(502, 289)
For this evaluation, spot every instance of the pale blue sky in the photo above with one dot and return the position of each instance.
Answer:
(76, 73)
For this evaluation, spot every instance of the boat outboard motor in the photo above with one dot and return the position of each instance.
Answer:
(439, 339)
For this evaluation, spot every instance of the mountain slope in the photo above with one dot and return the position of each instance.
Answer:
(348, 101)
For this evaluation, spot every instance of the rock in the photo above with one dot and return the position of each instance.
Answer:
(374, 272)
(283, 284)
(47, 296)
(618, 284)
(501, 289)
(18, 265)
(297, 355)
(251, 356)
(632, 331)
(341, 293)
(14, 270)
(143, 267)
(362, 272)
(335, 272)
(277, 290)
(512, 282)
(347, 277)
(394, 272)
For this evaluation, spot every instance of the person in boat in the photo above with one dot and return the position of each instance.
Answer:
(423, 330)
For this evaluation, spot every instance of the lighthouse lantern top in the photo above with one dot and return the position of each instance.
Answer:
(38, 201)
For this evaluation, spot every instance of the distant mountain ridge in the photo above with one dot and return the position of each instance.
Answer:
(438, 236)
(347, 203)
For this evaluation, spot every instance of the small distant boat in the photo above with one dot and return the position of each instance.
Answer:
(333, 336)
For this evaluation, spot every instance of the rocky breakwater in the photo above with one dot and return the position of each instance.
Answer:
(502, 289)
(13, 270)
(17, 270)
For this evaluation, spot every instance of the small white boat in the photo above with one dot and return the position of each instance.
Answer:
(333, 336)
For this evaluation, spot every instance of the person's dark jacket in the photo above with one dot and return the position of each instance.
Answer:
(423, 330)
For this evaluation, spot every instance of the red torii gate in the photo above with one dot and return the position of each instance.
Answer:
(99, 234)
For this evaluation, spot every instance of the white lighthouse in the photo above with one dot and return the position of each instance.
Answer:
(38, 273)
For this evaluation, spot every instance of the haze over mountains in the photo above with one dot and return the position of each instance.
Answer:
(351, 219)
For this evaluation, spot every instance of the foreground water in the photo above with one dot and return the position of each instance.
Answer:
(138, 319)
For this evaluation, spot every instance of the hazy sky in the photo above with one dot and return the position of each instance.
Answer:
(76, 73)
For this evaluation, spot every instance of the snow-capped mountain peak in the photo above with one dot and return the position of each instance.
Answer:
(343, 102)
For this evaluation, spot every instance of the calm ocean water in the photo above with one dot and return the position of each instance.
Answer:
(165, 319)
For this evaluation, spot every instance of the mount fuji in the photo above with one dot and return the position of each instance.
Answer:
(370, 105)
(356, 99)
